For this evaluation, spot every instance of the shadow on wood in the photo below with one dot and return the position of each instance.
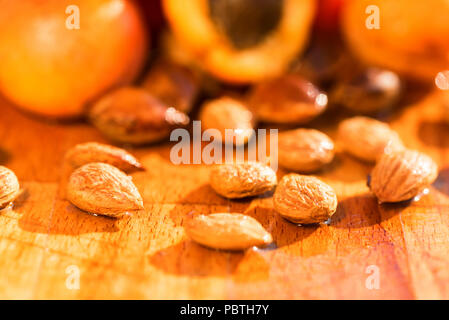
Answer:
(356, 212)
(442, 182)
(434, 133)
(67, 219)
(189, 258)
(284, 232)
(4, 156)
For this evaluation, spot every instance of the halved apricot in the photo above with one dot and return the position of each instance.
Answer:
(242, 41)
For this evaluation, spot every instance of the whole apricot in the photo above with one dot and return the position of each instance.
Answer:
(57, 56)
(409, 37)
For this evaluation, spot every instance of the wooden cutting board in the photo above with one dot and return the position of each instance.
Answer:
(45, 242)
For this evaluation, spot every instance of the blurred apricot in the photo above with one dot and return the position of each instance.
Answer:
(328, 16)
(50, 67)
(153, 15)
(412, 36)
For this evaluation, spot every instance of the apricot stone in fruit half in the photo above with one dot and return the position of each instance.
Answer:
(411, 38)
(54, 70)
(242, 41)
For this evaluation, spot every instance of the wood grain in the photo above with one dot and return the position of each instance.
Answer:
(147, 256)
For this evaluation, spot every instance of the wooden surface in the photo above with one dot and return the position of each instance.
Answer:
(148, 256)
